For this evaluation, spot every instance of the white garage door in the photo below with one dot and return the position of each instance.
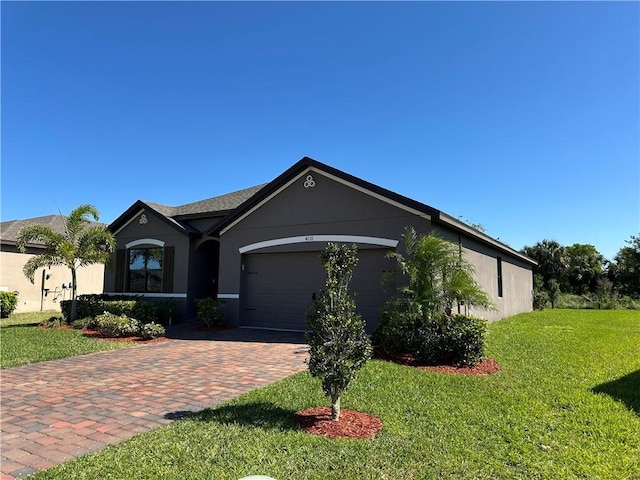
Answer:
(279, 287)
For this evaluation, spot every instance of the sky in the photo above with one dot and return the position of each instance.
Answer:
(522, 117)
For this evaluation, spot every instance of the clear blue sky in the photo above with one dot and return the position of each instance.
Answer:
(519, 116)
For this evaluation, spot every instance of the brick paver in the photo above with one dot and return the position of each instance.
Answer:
(52, 412)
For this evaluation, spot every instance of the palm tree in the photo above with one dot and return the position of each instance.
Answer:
(81, 244)
(438, 275)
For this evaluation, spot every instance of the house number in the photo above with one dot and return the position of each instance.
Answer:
(309, 238)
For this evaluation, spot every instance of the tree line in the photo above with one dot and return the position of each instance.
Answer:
(579, 270)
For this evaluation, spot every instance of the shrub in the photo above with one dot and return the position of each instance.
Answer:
(95, 305)
(397, 328)
(462, 339)
(208, 311)
(8, 303)
(442, 340)
(540, 299)
(152, 330)
(88, 322)
(117, 325)
(167, 310)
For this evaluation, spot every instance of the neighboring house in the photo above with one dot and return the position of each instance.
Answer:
(51, 285)
(258, 249)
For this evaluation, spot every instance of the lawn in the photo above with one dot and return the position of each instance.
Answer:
(566, 404)
(23, 342)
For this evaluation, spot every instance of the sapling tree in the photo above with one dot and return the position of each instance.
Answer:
(338, 343)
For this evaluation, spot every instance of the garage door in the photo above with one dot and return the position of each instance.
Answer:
(278, 287)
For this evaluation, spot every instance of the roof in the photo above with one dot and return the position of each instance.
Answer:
(226, 210)
(221, 203)
(305, 163)
(178, 217)
(10, 229)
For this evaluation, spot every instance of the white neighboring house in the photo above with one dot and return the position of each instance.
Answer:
(50, 285)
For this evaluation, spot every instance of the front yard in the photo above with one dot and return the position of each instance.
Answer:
(566, 404)
(23, 342)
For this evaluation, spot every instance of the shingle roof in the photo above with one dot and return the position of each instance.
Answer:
(10, 229)
(220, 203)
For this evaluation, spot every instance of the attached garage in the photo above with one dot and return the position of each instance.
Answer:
(277, 288)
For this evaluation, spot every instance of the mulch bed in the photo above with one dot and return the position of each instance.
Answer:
(95, 334)
(102, 336)
(352, 424)
(485, 367)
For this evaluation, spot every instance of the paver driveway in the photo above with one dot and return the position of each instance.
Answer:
(58, 410)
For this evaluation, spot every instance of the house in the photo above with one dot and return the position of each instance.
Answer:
(51, 285)
(258, 249)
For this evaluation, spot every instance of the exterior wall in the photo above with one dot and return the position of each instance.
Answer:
(156, 229)
(90, 280)
(329, 208)
(334, 208)
(517, 280)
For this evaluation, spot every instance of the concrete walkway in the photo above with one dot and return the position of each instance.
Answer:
(52, 412)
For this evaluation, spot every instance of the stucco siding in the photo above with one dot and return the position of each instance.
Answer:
(157, 230)
(329, 208)
(90, 279)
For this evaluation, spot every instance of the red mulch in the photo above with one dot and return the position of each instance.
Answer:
(96, 334)
(485, 367)
(352, 424)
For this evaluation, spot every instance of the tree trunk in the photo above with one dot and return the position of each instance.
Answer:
(74, 301)
(335, 407)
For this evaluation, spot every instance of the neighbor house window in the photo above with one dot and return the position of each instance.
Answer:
(145, 270)
(499, 277)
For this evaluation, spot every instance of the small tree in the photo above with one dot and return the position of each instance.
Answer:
(79, 245)
(338, 343)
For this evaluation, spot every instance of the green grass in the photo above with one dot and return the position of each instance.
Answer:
(566, 404)
(22, 342)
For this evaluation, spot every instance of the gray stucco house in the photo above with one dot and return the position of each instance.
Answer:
(258, 248)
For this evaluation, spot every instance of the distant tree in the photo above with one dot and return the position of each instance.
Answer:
(81, 244)
(552, 261)
(554, 292)
(338, 343)
(625, 268)
(584, 268)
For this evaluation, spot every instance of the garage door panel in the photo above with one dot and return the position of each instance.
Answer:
(278, 287)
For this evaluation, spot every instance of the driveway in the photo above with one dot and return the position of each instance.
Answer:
(52, 412)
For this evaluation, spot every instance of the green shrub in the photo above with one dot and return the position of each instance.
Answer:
(167, 310)
(95, 305)
(208, 311)
(87, 322)
(397, 328)
(152, 330)
(462, 340)
(8, 303)
(117, 325)
(442, 340)
(540, 299)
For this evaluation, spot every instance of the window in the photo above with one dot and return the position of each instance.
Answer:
(499, 276)
(145, 270)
